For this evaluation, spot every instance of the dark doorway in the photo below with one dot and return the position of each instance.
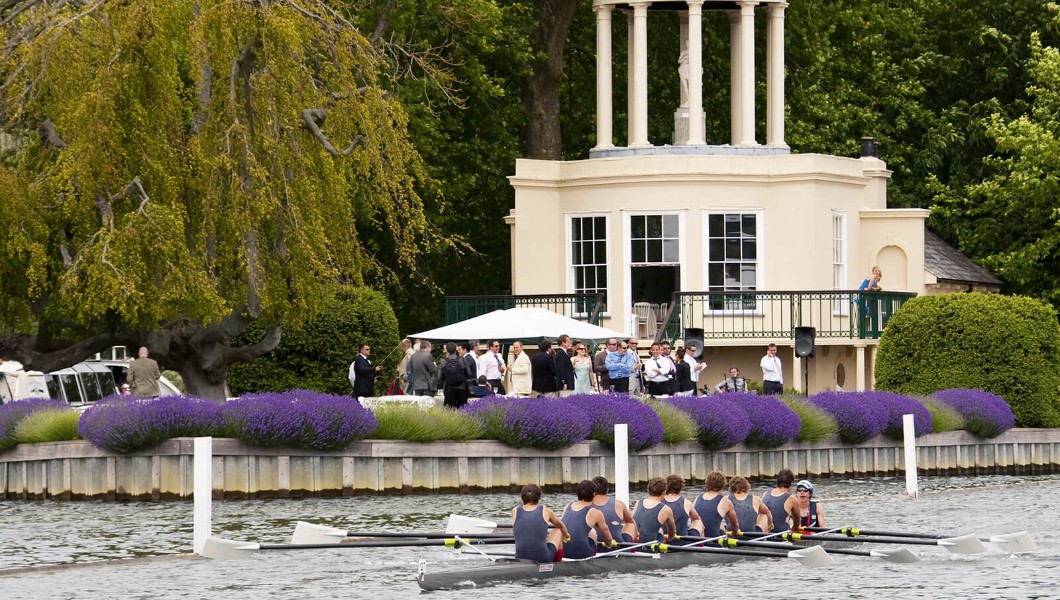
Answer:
(654, 284)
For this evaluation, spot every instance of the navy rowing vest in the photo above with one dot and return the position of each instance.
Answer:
(580, 545)
(531, 536)
(680, 514)
(810, 520)
(708, 512)
(648, 525)
(775, 504)
(745, 512)
(614, 522)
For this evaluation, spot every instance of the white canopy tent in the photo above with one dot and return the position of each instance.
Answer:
(524, 324)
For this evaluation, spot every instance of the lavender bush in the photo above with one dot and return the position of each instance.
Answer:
(297, 419)
(12, 413)
(605, 410)
(546, 423)
(985, 414)
(772, 422)
(722, 423)
(898, 405)
(858, 418)
(127, 423)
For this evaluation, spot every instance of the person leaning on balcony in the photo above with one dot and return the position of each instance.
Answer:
(620, 365)
(520, 382)
(732, 383)
(772, 372)
(143, 376)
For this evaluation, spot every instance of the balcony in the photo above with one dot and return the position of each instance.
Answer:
(775, 315)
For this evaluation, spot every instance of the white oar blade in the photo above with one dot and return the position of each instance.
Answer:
(469, 525)
(896, 555)
(1015, 542)
(964, 544)
(216, 547)
(310, 533)
(814, 556)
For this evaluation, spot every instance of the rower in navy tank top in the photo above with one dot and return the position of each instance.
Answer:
(746, 506)
(782, 503)
(533, 540)
(581, 518)
(655, 520)
(686, 519)
(714, 507)
(618, 518)
(811, 514)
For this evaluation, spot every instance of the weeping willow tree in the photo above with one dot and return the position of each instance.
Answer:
(175, 170)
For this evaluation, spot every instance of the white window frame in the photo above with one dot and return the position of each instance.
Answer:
(840, 308)
(759, 261)
(571, 267)
(627, 253)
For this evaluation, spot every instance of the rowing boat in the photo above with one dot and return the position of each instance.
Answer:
(504, 570)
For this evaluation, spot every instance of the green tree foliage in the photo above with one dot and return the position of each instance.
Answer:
(185, 168)
(1002, 344)
(1011, 220)
(316, 355)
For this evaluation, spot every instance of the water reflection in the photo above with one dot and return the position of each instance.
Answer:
(55, 533)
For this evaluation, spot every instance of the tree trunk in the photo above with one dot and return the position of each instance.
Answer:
(544, 139)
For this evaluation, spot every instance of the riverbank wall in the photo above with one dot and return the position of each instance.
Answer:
(80, 471)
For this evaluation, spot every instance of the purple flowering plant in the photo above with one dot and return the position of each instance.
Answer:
(898, 405)
(127, 423)
(12, 413)
(546, 423)
(858, 417)
(773, 423)
(606, 410)
(985, 414)
(722, 423)
(297, 419)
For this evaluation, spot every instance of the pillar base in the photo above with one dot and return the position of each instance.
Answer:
(681, 118)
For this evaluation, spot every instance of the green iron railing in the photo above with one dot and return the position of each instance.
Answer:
(775, 315)
(584, 307)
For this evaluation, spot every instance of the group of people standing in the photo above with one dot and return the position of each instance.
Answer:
(596, 520)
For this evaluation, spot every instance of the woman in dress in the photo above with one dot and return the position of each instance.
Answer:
(583, 367)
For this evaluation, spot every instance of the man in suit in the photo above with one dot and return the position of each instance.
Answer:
(424, 371)
(363, 373)
(564, 368)
(543, 371)
(470, 356)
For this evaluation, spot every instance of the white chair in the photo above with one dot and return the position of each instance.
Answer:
(647, 323)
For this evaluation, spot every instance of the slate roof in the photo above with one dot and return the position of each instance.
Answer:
(947, 264)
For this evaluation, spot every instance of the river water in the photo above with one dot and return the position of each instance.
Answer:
(59, 550)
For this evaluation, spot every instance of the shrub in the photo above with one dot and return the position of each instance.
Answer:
(1001, 344)
(985, 414)
(896, 406)
(297, 419)
(678, 426)
(857, 419)
(815, 423)
(943, 416)
(772, 422)
(317, 355)
(126, 423)
(606, 410)
(403, 422)
(721, 423)
(12, 413)
(50, 425)
(546, 423)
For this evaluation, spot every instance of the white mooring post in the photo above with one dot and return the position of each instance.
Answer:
(909, 433)
(622, 462)
(202, 489)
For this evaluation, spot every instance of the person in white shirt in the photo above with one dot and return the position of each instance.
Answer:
(694, 365)
(772, 372)
(657, 370)
(491, 366)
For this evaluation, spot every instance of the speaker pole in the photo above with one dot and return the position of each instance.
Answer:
(806, 376)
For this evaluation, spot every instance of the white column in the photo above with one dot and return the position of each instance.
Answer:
(859, 369)
(695, 73)
(604, 112)
(747, 74)
(775, 76)
(631, 99)
(735, 88)
(639, 135)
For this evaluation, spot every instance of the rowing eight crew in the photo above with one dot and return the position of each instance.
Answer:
(597, 519)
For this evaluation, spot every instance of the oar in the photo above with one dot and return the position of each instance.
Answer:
(221, 548)
(895, 555)
(812, 556)
(310, 533)
(964, 544)
(1010, 542)
(469, 525)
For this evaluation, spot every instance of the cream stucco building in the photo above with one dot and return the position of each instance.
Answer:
(736, 243)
